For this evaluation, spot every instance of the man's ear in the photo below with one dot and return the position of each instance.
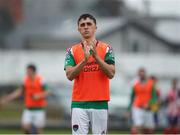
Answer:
(78, 29)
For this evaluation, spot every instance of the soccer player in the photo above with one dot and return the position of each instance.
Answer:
(35, 91)
(90, 64)
(173, 108)
(143, 97)
(156, 107)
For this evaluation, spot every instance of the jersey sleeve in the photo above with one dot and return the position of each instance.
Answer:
(131, 99)
(153, 96)
(44, 85)
(109, 57)
(69, 59)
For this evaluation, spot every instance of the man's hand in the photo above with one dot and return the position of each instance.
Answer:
(86, 51)
(42, 95)
(1, 102)
(93, 48)
(90, 47)
(146, 107)
(37, 96)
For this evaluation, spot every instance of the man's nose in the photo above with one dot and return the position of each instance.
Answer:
(86, 26)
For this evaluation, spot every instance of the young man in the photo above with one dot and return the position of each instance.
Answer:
(142, 98)
(173, 108)
(35, 92)
(90, 64)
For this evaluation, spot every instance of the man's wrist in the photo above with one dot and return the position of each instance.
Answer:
(84, 61)
(96, 56)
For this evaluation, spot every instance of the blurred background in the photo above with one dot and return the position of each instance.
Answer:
(143, 33)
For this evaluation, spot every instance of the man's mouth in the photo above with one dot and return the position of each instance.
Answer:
(86, 32)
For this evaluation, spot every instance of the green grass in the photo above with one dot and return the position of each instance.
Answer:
(59, 131)
(12, 112)
(47, 131)
(52, 131)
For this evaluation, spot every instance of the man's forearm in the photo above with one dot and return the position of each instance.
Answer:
(72, 72)
(42, 95)
(109, 70)
(17, 93)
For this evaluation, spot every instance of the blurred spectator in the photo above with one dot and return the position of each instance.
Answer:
(35, 91)
(156, 106)
(142, 98)
(173, 108)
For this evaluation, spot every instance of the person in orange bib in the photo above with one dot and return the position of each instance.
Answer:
(90, 64)
(34, 91)
(143, 97)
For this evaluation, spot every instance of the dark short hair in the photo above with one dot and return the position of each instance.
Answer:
(84, 16)
(32, 67)
(141, 69)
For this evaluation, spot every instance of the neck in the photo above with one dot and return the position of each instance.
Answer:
(32, 77)
(91, 39)
(143, 80)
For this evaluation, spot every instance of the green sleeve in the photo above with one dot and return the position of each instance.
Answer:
(131, 99)
(109, 57)
(154, 97)
(69, 60)
(45, 87)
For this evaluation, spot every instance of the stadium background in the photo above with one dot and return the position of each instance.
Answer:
(142, 32)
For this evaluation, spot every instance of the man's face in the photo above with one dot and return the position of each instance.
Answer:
(174, 83)
(142, 74)
(30, 72)
(87, 28)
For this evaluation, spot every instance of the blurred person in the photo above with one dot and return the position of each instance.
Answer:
(173, 108)
(156, 106)
(143, 96)
(34, 91)
(90, 64)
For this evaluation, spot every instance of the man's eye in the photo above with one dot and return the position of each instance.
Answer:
(82, 25)
(89, 24)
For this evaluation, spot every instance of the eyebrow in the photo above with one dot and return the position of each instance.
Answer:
(88, 23)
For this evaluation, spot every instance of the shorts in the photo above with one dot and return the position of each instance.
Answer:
(142, 117)
(173, 120)
(34, 117)
(83, 119)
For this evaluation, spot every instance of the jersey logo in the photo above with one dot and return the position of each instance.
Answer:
(91, 67)
(75, 127)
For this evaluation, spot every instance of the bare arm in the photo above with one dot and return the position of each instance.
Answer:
(109, 70)
(15, 94)
(42, 95)
(73, 71)
(45, 92)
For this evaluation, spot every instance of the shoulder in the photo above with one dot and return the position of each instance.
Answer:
(135, 82)
(25, 80)
(105, 46)
(76, 46)
(73, 48)
(40, 79)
